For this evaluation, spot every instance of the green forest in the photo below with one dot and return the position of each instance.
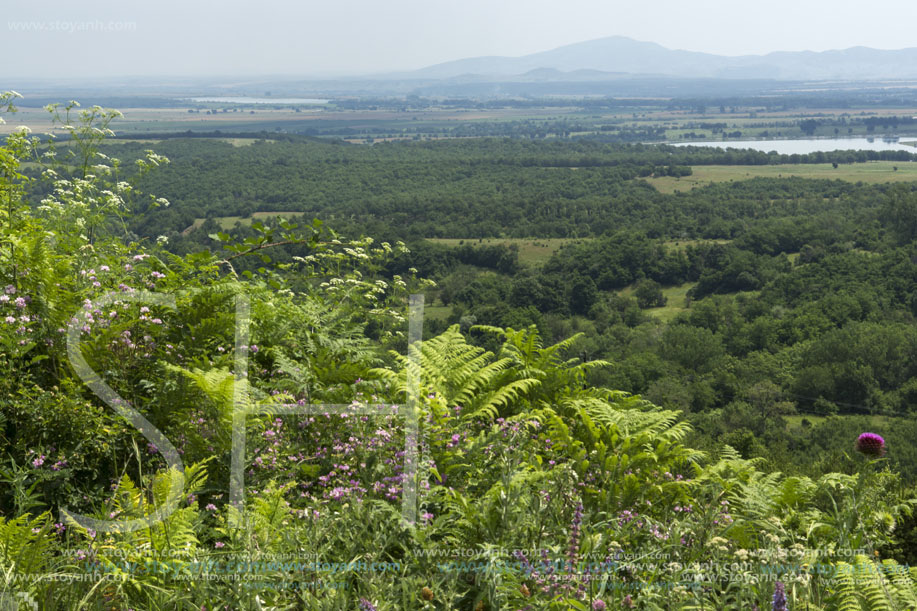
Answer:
(371, 396)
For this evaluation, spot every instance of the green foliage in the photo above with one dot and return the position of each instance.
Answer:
(870, 585)
(519, 447)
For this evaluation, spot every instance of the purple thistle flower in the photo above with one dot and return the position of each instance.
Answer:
(780, 596)
(365, 605)
(870, 444)
(598, 605)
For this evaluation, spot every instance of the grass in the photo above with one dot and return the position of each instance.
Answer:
(675, 301)
(533, 252)
(240, 142)
(870, 172)
(876, 420)
(439, 312)
(681, 245)
(228, 222)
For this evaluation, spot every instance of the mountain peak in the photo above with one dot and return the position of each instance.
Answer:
(621, 54)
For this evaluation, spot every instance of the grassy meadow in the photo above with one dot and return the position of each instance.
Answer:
(869, 172)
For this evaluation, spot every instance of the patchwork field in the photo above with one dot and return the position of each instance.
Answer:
(532, 251)
(228, 222)
(870, 172)
(675, 301)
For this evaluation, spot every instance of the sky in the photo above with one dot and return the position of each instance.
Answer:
(109, 38)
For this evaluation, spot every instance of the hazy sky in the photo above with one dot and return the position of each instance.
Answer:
(54, 38)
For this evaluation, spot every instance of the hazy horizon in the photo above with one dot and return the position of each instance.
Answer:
(107, 39)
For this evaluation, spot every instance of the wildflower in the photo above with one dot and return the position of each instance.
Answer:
(779, 597)
(598, 605)
(10, 320)
(10, 289)
(573, 549)
(38, 461)
(365, 605)
(628, 602)
(219, 544)
(210, 507)
(870, 444)
(20, 302)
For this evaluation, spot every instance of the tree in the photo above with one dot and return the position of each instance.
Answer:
(649, 294)
(808, 126)
(582, 295)
(899, 213)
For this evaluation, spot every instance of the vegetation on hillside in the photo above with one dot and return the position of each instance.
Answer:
(304, 451)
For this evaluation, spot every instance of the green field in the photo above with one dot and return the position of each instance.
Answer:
(675, 301)
(439, 312)
(876, 421)
(681, 245)
(228, 222)
(532, 251)
(237, 142)
(870, 172)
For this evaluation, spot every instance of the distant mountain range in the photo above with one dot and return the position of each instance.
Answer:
(617, 56)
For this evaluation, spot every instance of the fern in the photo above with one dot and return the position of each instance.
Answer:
(902, 585)
(845, 597)
(559, 377)
(873, 586)
(24, 544)
(463, 375)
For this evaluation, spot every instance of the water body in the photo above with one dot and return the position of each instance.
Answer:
(244, 100)
(814, 145)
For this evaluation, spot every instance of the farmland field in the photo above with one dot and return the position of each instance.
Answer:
(228, 222)
(532, 251)
(869, 172)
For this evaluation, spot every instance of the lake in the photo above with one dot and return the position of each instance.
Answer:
(812, 145)
(246, 100)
